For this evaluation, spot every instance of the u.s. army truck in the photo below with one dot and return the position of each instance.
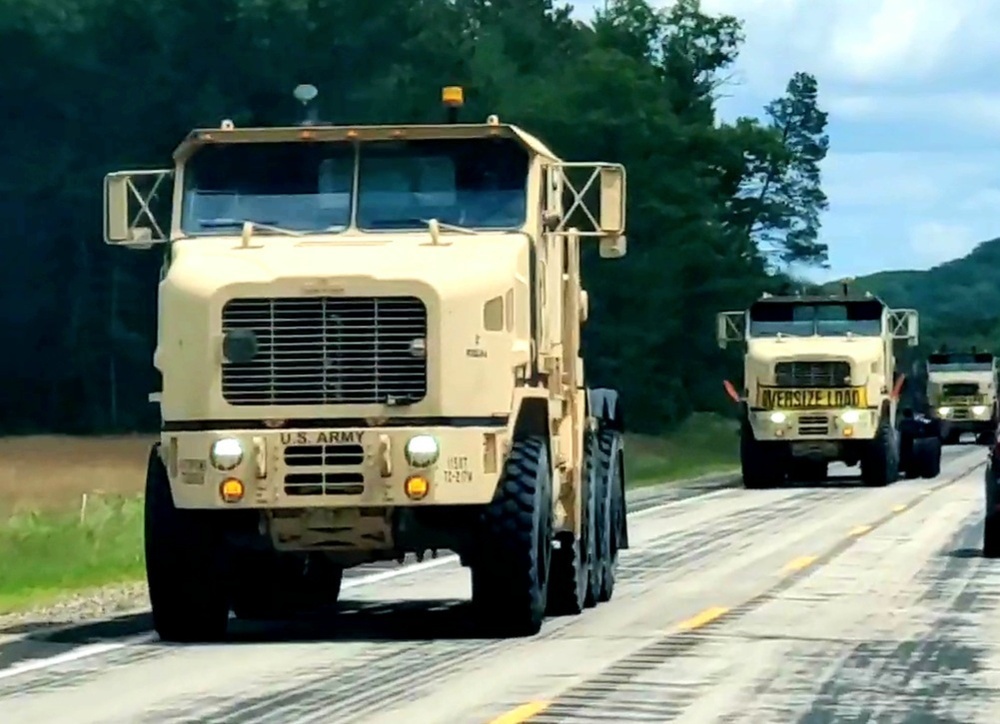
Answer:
(369, 342)
(962, 392)
(818, 387)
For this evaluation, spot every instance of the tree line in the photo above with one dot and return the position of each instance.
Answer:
(717, 210)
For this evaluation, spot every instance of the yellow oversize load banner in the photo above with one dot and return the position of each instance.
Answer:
(788, 398)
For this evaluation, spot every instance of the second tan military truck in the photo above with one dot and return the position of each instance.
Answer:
(820, 386)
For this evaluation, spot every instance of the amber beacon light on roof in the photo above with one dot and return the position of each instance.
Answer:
(369, 341)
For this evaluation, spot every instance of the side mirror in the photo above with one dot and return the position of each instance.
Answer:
(121, 228)
(613, 199)
(905, 325)
(614, 247)
(729, 327)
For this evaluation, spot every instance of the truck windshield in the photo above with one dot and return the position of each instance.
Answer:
(297, 186)
(960, 362)
(475, 183)
(769, 319)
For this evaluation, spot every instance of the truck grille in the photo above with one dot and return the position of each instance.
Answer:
(328, 351)
(814, 425)
(812, 374)
(321, 480)
(960, 389)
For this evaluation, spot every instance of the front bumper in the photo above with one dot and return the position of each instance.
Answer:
(964, 418)
(342, 468)
(796, 425)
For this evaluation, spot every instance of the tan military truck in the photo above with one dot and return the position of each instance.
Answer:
(369, 341)
(819, 387)
(962, 394)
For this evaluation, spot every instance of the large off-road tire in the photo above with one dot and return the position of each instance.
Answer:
(185, 564)
(927, 457)
(610, 510)
(991, 535)
(272, 585)
(573, 561)
(597, 532)
(762, 463)
(510, 575)
(880, 462)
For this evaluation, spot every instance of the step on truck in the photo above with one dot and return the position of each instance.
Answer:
(369, 344)
(962, 393)
(818, 387)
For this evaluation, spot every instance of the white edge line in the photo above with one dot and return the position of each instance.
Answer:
(83, 652)
(97, 649)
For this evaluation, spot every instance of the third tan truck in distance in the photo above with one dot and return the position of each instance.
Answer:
(962, 394)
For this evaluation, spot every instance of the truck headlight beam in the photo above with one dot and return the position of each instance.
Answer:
(226, 453)
(421, 451)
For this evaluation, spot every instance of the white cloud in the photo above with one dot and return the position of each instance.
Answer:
(911, 180)
(935, 242)
(977, 109)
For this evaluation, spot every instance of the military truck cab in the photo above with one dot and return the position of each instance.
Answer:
(819, 386)
(962, 392)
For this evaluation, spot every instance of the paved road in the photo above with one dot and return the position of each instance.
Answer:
(837, 603)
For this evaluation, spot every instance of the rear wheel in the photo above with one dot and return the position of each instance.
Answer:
(571, 584)
(510, 576)
(610, 511)
(928, 457)
(880, 464)
(185, 564)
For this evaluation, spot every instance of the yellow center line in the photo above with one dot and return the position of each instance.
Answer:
(702, 619)
(859, 530)
(522, 713)
(797, 564)
(899, 508)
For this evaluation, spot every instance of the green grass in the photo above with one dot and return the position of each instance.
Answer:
(704, 444)
(48, 553)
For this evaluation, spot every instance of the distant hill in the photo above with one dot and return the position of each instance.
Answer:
(958, 301)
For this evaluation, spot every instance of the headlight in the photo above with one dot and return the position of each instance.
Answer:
(421, 451)
(778, 417)
(979, 409)
(226, 453)
(851, 417)
(944, 411)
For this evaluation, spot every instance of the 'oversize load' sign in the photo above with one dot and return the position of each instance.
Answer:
(788, 398)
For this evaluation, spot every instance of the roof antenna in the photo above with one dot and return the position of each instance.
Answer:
(305, 93)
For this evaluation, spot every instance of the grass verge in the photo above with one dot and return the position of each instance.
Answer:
(704, 444)
(48, 554)
(53, 546)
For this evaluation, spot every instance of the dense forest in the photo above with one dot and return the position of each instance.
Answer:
(957, 301)
(717, 210)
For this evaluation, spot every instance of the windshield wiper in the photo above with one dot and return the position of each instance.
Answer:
(224, 222)
(263, 225)
(416, 221)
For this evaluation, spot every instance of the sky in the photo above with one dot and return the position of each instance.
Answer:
(913, 170)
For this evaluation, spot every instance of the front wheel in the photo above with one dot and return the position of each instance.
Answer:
(510, 576)
(762, 463)
(185, 564)
(880, 465)
(991, 536)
